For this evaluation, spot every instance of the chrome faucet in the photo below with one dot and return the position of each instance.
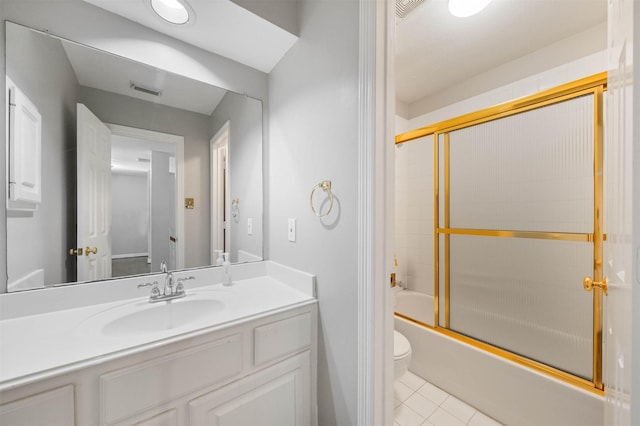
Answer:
(168, 279)
(168, 293)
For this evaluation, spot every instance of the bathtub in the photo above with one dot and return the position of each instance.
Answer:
(414, 305)
(504, 390)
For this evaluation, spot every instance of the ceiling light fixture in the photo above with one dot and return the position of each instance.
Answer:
(464, 8)
(173, 11)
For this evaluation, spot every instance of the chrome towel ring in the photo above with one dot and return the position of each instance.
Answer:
(325, 185)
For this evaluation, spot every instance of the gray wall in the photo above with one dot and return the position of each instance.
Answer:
(195, 128)
(130, 214)
(39, 67)
(283, 13)
(313, 131)
(245, 167)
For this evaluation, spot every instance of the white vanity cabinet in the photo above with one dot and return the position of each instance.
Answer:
(54, 407)
(258, 372)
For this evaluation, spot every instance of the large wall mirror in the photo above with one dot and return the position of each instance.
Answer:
(139, 166)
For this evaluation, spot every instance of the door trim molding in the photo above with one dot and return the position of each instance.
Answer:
(178, 141)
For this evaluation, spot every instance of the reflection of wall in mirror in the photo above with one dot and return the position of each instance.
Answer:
(245, 170)
(130, 215)
(39, 240)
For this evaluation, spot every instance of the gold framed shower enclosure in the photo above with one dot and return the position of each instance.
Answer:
(592, 87)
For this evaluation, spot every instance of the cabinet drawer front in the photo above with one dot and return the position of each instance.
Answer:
(136, 389)
(272, 341)
(51, 408)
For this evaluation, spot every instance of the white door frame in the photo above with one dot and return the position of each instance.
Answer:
(220, 141)
(375, 212)
(178, 141)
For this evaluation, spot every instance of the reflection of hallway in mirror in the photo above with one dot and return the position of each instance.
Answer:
(130, 266)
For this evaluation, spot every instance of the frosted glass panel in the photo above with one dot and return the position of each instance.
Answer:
(441, 283)
(525, 296)
(532, 171)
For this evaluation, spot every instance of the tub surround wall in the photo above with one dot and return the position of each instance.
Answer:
(414, 215)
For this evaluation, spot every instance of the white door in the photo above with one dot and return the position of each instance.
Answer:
(618, 199)
(94, 197)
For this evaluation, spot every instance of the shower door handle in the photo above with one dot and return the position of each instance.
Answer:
(588, 284)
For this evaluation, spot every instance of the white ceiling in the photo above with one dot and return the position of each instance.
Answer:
(220, 26)
(112, 73)
(133, 155)
(435, 49)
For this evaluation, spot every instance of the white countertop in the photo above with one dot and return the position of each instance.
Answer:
(38, 346)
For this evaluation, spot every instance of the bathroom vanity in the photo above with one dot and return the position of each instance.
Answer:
(243, 354)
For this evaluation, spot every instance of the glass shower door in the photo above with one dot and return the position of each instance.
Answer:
(519, 228)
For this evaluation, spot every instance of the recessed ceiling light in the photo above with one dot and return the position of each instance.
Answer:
(173, 11)
(464, 8)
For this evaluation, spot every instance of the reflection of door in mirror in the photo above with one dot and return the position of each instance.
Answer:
(93, 197)
(220, 193)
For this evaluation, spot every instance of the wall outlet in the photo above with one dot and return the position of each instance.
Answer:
(292, 230)
(250, 226)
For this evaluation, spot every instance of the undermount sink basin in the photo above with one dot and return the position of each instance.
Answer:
(141, 318)
(162, 316)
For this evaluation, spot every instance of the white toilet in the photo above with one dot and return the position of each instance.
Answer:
(401, 354)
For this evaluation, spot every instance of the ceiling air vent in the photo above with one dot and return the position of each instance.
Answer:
(404, 7)
(147, 90)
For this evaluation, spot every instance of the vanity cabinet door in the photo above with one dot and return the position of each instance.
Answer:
(50, 408)
(167, 418)
(163, 381)
(277, 396)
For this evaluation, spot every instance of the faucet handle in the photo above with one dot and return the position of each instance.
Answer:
(155, 292)
(148, 284)
(179, 289)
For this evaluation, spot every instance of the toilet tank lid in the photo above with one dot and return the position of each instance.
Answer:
(401, 345)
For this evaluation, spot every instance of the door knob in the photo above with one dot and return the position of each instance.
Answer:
(88, 250)
(75, 252)
(588, 284)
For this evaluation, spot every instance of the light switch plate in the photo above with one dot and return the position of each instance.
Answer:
(292, 230)
(250, 226)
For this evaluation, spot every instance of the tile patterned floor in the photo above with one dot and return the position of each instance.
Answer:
(419, 403)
